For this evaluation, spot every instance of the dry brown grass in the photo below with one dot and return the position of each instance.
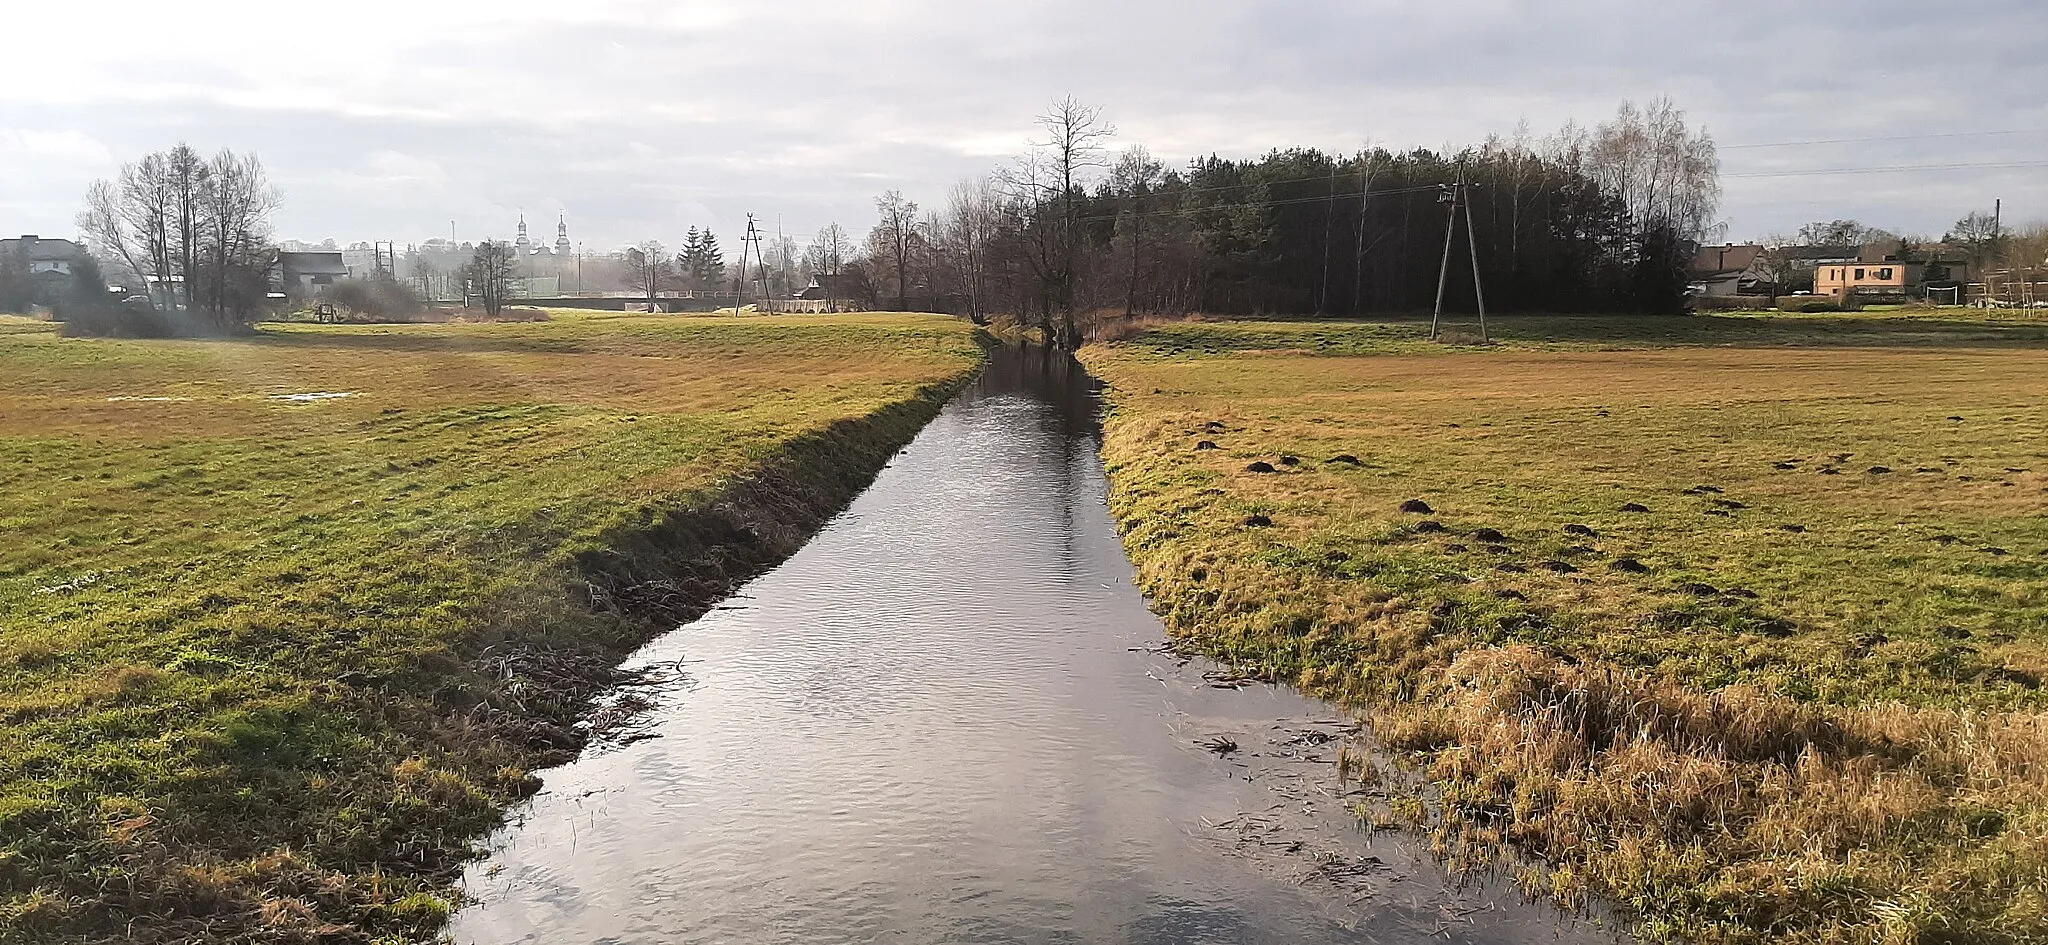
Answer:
(1829, 735)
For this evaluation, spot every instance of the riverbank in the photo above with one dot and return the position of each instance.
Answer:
(290, 620)
(948, 718)
(1736, 622)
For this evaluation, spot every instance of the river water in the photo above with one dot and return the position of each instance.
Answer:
(948, 719)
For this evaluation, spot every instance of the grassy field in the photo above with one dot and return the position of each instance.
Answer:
(1740, 622)
(286, 621)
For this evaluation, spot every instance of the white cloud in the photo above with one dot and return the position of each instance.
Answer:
(386, 118)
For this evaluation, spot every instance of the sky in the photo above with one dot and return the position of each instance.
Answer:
(635, 119)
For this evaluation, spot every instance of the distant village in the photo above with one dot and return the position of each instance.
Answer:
(1998, 270)
(559, 273)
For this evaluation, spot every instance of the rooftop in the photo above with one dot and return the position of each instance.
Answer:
(39, 249)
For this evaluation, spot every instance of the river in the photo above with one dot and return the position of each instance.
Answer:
(948, 718)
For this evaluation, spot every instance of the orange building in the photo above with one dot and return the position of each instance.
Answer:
(1884, 278)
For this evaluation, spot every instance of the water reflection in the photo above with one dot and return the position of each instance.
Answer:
(942, 721)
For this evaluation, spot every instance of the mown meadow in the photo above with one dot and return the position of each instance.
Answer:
(286, 621)
(1740, 622)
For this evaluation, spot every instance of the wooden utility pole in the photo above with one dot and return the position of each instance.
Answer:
(753, 239)
(1472, 242)
(1443, 272)
(1456, 194)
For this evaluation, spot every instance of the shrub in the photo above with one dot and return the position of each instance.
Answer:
(1723, 303)
(375, 298)
(132, 318)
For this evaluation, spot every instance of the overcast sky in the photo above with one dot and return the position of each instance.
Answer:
(382, 119)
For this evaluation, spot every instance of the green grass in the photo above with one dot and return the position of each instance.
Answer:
(1814, 714)
(1920, 328)
(269, 666)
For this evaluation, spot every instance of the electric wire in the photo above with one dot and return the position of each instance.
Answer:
(1887, 169)
(1919, 137)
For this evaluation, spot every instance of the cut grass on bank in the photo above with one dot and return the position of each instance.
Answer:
(1739, 622)
(286, 621)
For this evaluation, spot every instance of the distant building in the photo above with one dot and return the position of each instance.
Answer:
(837, 287)
(540, 260)
(536, 287)
(1722, 271)
(1809, 258)
(44, 256)
(1873, 279)
(304, 275)
(1888, 269)
(1888, 279)
(49, 263)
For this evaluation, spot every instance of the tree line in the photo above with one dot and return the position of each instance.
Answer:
(1598, 219)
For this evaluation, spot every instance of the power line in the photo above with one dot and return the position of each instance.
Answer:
(1319, 198)
(1919, 137)
(1338, 175)
(1889, 169)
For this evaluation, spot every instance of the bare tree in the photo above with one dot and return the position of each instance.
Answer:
(964, 234)
(104, 224)
(893, 241)
(1978, 235)
(489, 274)
(187, 178)
(1047, 182)
(1134, 176)
(826, 258)
(196, 231)
(232, 272)
(1778, 267)
(780, 261)
(1666, 175)
(651, 268)
(422, 269)
(146, 212)
(1840, 233)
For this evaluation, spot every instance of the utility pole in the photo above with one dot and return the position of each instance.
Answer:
(1454, 195)
(1443, 272)
(1472, 242)
(753, 239)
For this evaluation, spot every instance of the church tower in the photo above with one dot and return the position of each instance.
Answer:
(562, 236)
(523, 244)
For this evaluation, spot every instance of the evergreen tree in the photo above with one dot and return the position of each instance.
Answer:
(711, 262)
(689, 261)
